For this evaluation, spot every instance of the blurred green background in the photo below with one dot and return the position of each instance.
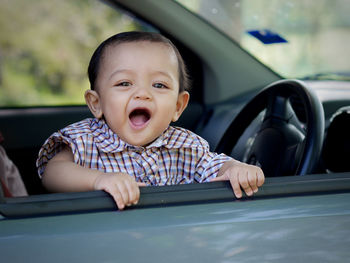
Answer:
(45, 48)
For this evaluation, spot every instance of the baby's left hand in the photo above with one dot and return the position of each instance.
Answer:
(242, 176)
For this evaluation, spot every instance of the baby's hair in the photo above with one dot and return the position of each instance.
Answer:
(135, 36)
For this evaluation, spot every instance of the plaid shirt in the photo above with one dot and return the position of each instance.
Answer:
(177, 156)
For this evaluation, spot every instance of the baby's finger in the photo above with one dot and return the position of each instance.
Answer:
(123, 190)
(261, 178)
(133, 191)
(141, 184)
(243, 181)
(118, 199)
(236, 187)
(252, 180)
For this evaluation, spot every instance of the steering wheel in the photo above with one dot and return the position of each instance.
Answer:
(282, 145)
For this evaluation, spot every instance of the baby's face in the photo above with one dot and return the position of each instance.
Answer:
(138, 88)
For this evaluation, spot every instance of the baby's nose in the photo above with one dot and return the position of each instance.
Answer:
(142, 94)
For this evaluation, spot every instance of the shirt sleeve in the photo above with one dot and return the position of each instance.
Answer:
(53, 145)
(209, 165)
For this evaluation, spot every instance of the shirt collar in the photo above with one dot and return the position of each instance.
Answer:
(107, 141)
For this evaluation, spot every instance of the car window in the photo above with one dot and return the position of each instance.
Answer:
(295, 38)
(45, 48)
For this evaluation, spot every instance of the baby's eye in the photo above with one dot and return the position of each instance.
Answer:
(124, 84)
(159, 86)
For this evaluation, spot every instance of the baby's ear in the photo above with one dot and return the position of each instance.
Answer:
(93, 101)
(181, 104)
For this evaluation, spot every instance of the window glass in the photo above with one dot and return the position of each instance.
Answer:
(295, 38)
(45, 48)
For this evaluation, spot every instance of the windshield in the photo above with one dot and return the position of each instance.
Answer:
(295, 38)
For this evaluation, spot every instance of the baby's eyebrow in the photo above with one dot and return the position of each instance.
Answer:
(118, 71)
(155, 73)
(164, 73)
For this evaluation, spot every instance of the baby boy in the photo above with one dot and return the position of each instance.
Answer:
(138, 87)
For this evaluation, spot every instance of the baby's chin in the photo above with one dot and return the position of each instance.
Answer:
(135, 140)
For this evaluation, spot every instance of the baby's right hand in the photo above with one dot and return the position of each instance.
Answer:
(123, 188)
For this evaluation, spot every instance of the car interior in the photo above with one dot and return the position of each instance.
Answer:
(221, 109)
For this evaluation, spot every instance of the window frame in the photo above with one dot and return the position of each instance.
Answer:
(173, 195)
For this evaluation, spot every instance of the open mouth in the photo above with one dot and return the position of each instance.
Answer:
(139, 117)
